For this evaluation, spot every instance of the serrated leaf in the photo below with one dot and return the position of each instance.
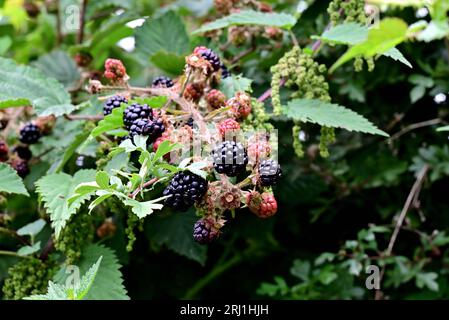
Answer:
(163, 34)
(87, 280)
(108, 283)
(389, 33)
(26, 84)
(427, 279)
(27, 250)
(329, 115)
(168, 62)
(112, 121)
(143, 209)
(397, 55)
(250, 17)
(231, 85)
(32, 229)
(102, 179)
(70, 150)
(346, 33)
(10, 182)
(55, 292)
(164, 148)
(55, 190)
(59, 65)
(161, 229)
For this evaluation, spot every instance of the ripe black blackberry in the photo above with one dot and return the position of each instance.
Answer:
(212, 57)
(112, 103)
(162, 82)
(270, 172)
(23, 152)
(136, 111)
(224, 71)
(30, 133)
(146, 127)
(184, 190)
(190, 122)
(21, 166)
(230, 158)
(205, 232)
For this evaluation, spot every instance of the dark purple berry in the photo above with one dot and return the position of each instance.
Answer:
(112, 103)
(270, 172)
(205, 232)
(224, 71)
(135, 112)
(162, 82)
(230, 158)
(23, 152)
(30, 134)
(212, 57)
(21, 166)
(184, 189)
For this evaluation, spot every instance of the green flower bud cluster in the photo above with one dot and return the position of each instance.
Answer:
(341, 11)
(78, 232)
(28, 277)
(300, 71)
(132, 222)
(258, 118)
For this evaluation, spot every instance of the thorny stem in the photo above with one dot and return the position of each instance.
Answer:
(416, 188)
(82, 21)
(216, 112)
(414, 126)
(134, 194)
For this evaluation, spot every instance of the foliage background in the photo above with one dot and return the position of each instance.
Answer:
(324, 204)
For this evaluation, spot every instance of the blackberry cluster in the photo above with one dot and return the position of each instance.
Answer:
(30, 134)
(230, 158)
(27, 277)
(112, 103)
(146, 127)
(162, 82)
(212, 57)
(204, 232)
(184, 190)
(3, 151)
(224, 71)
(77, 233)
(269, 171)
(136, 111)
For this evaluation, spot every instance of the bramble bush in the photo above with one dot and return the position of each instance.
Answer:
(164, 149)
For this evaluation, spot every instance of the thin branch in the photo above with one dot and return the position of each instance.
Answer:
(134, 194)
(58, 23)
(414, 192)
(415, 126)
(243, 54)
(83, 117)
(82, 21)
(49, 247)
(12, 254)
(14, 234)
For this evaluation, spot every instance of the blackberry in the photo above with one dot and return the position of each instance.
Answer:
(30, 134)
(21, 166)
(212, 57)
(3, 151)
(230, 158)
(190, 122)
(184, 190)
(112, 103)
(270, 171)
(23, 152)
(136, 111)
(205, 232)
(162, 82)
(224, 71)
(146, 127)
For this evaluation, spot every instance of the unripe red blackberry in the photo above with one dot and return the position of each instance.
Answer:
(162, 82)
(30, 133)
(230, 158)
(114, 70)
(228, 128)
(216, 99)
(269, 172)
(205, 231)
(262, 205)
(194, 91)
(240, 105)
(3, 151)
(184, 190)
(83, 59)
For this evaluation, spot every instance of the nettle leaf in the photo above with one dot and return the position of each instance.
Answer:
(143, 209)
(250, 17)
(59, 65)
(231, 85)
(10, 182)
(329, 115)
(346, 33)
(108, 282)
(32, 229)
(397, 55)
(161, 229)
(54, 292)
(164, 34)
(87, 280)
(389, 33)
(22, 85)
(55, 190)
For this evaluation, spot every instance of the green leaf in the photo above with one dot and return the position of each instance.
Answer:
(32, 229)
(108, 282)
(87, 280)
(389, 33)
(10, 182)
(397, 55)
(231, 85)
(59, 65)
(161, 229)
(301, 269)
(427, 279)
(417, 93)
(445, 128)
(102, 179)
(329, 115)
(55, 292)
(55, 190)
(346, 33)
(169, 62)
(70, 150)
(110, 122)
(154, 102)
(27, 250)
(143, 209)
(164, 148)
(5, 44)
(29, 86)
(163, 34)
(250, 17)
